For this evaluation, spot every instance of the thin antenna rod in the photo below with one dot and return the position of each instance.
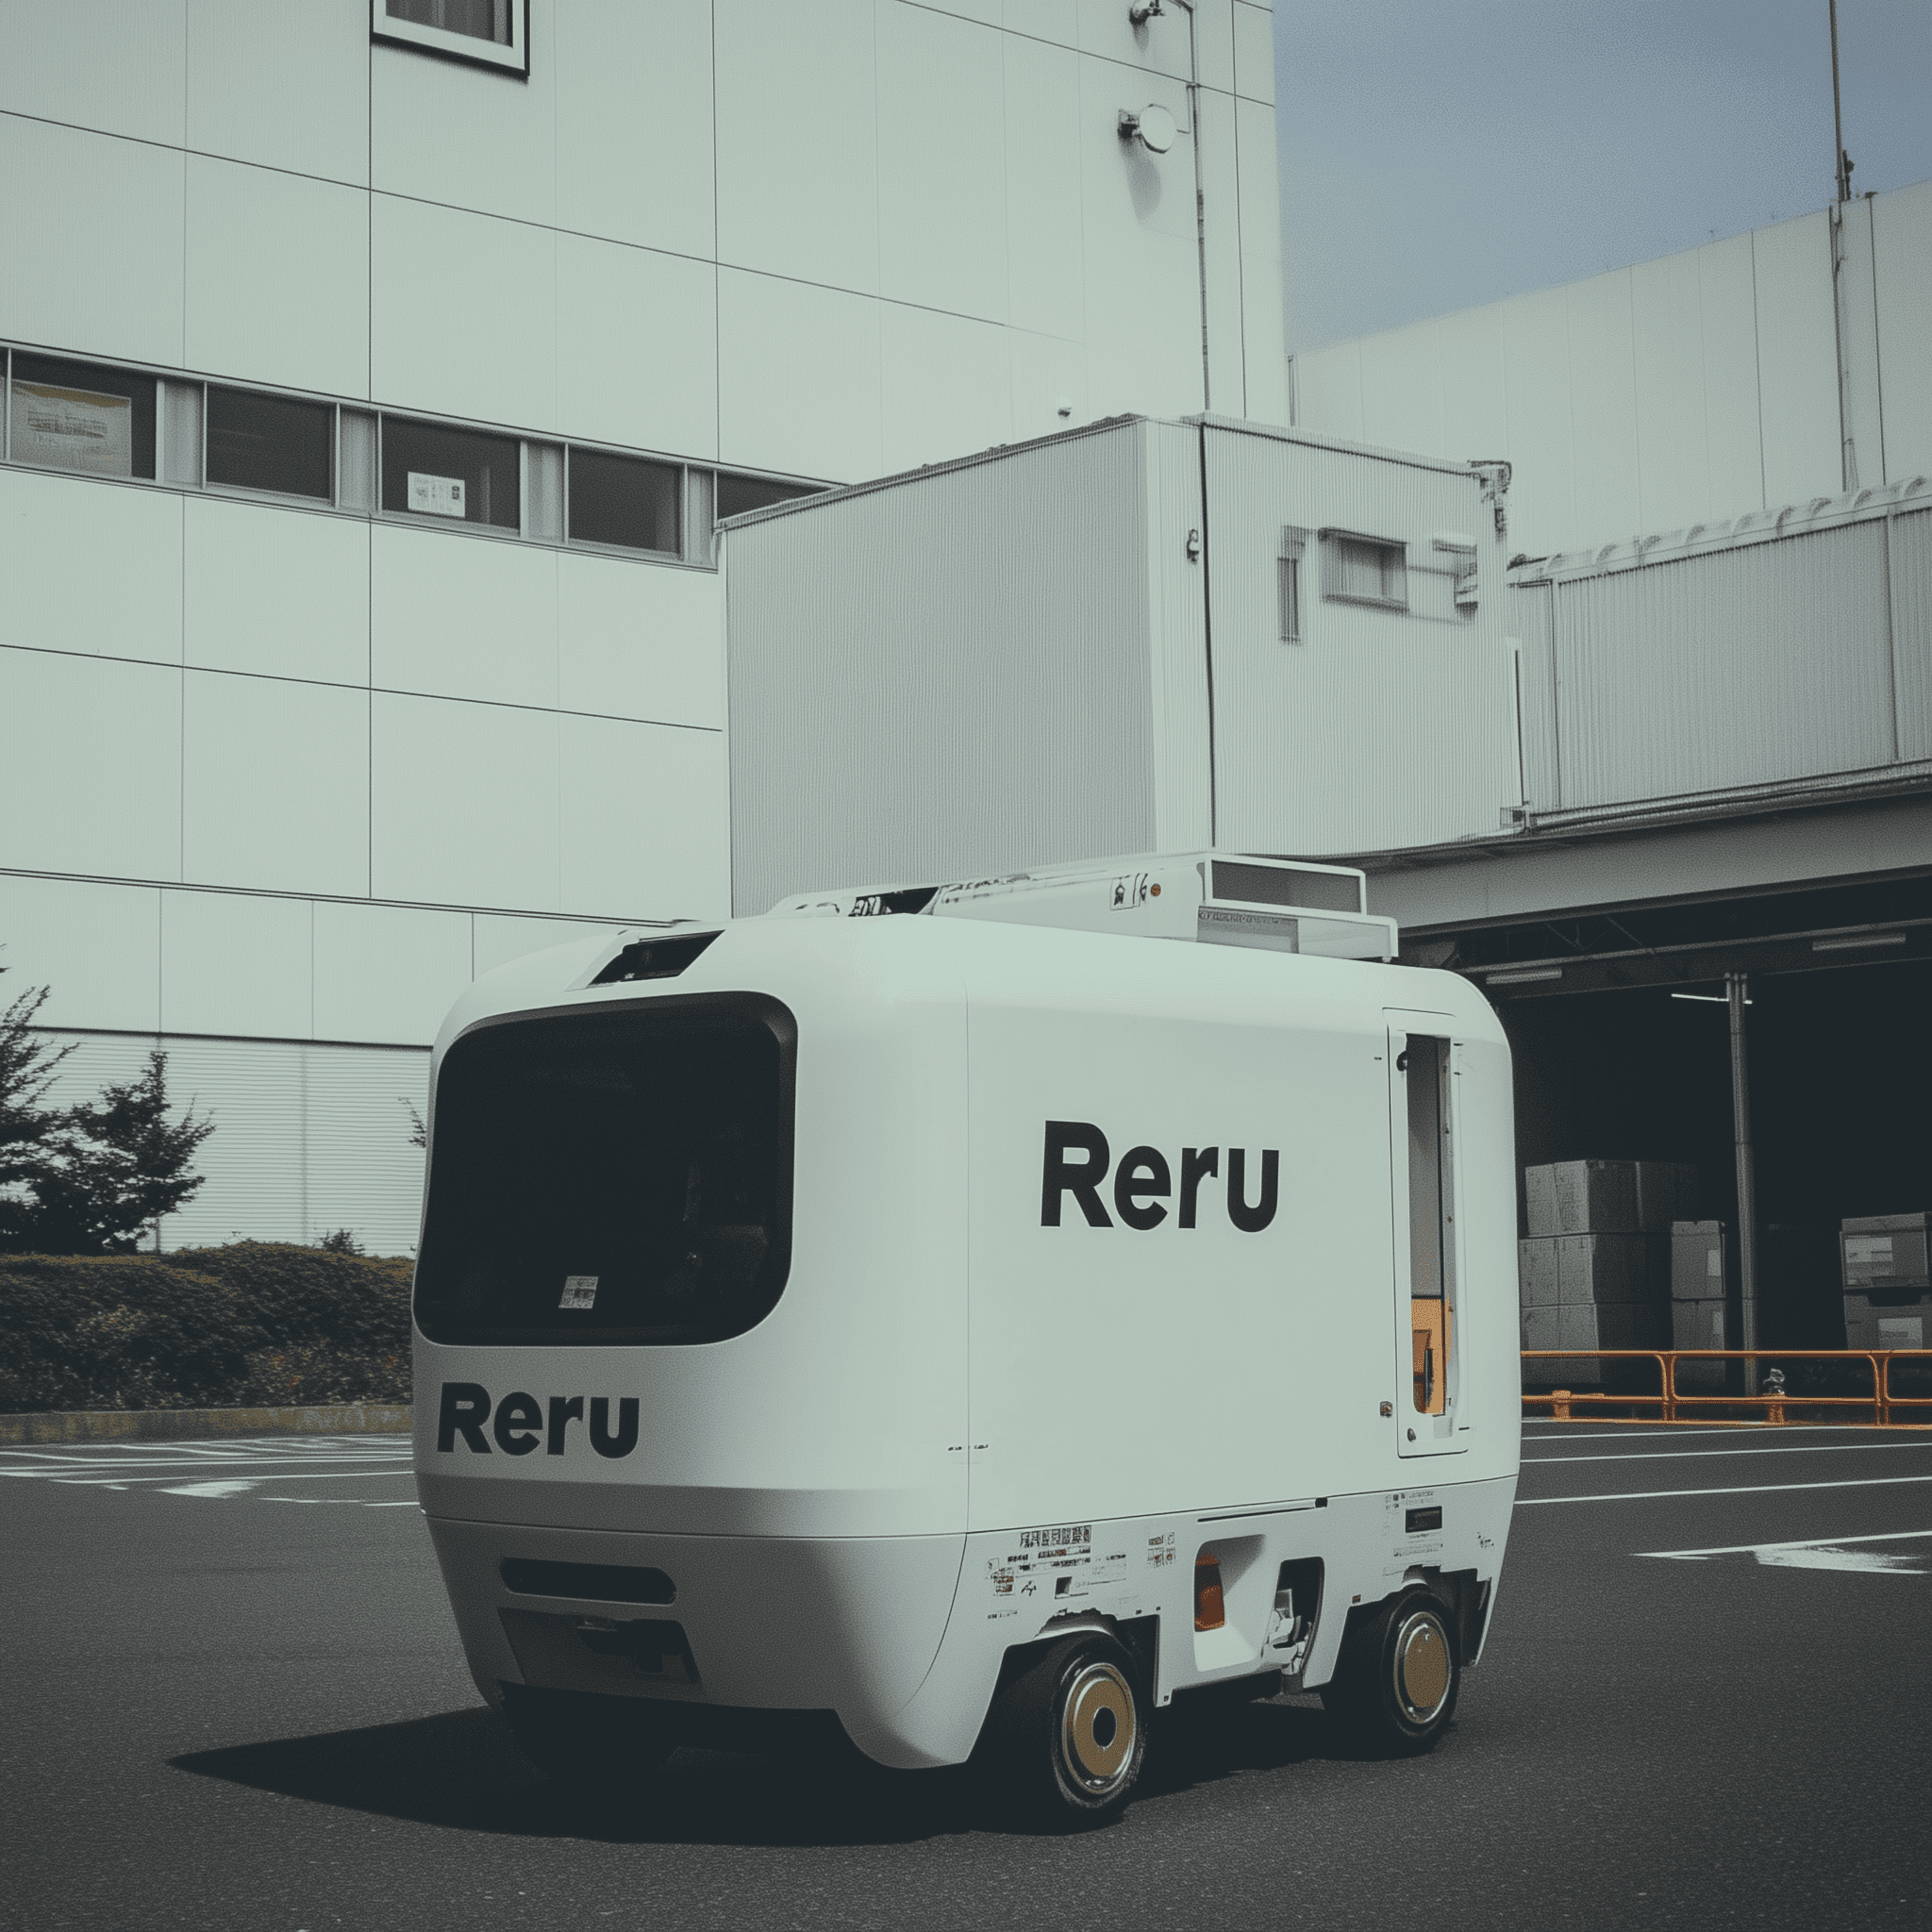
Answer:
(1837, 117)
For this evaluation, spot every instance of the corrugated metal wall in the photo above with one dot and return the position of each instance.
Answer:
(947, 676)
(1381, 729)
(1183, 777)
(308, 1139)
(1910, 538)
(1754, 663)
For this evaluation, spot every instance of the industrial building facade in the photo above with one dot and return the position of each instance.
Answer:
(376, 370)
(1708, 915)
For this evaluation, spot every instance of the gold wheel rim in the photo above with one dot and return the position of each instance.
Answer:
(1421, 1666)
(1098, 1727)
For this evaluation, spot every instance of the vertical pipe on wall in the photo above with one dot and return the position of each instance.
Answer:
(1738, 989)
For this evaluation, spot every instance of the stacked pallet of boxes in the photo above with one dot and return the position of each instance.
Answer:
(1887, 1283)
(1702, 1314)
(1594, 1272)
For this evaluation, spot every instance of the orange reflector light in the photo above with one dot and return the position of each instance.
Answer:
(1210, 1612)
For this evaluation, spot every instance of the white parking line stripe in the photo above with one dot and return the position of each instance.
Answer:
(1867, 1482)
(1808, 1542)
(300, 1476)
(60, 1468)
(1551, 1435)
(1774, 1449)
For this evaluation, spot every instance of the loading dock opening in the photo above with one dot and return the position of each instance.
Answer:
(1618, 1026)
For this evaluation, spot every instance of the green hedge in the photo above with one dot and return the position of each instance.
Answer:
(204, 1328)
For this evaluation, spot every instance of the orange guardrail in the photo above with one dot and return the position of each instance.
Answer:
(1773, 1405)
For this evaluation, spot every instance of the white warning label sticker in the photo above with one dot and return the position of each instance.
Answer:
(579, 1292)
(1055, 1564)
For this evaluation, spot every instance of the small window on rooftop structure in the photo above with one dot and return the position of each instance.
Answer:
(258, 442)
(1364, 569)
(493, 33)
(80, 416)
(1287, 583)
(623, 501)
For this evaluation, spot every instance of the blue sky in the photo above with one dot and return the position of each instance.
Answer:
(1437, 154)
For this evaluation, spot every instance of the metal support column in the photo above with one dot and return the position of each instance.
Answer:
(1737, 987)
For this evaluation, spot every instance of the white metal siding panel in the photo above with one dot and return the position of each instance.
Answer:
(96, 948)
(441, 132)
(1176, 600)
(1528, 613)
(1739, 667)
(1727, 341)
(1864, 419)
(622, 65)
(1911, 631)
(308, 1139)
(237, 962)
(1328, 390)
(1902, 252)
(56, 813)
(1264, 345)
(1797, 360)
(941, 211)
(91, 567)
(1381, 729)
(241, 560)
(277, 276)
(1672, 432)
(1542, 446)
(241, 56)
(96, 63)
(945, 677)
(1603, 403)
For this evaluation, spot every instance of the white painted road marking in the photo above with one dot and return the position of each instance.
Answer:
(1820, 1553)
(221, 1469)
(1867, 1482)
(1774, 1449)
(1560, 1432)
(279, 1476)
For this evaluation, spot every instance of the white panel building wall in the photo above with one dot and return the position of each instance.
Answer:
(288, 772)
(1690, 389)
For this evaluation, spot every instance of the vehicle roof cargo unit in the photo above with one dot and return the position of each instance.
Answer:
(943, 1310)
(1141, 636)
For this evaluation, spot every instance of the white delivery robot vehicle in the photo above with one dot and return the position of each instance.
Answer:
(958, 1317)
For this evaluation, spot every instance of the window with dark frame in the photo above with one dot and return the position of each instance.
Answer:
(1288, 576)
(624, 501)
(459, 475)
(96, 420)
(1358, 569)
(257, 441)
(737, 494)
(80, 416)
(490, 33)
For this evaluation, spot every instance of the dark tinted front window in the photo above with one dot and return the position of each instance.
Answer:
(617, 1176)
(452, 473)
(269, 442)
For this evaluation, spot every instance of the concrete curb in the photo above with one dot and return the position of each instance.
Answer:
(173, 1424)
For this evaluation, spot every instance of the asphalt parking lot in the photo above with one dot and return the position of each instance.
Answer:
(235, 1698)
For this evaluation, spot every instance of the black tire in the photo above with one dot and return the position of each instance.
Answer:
(1398, 1677)
(1066, 1736)
(600, 1743)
